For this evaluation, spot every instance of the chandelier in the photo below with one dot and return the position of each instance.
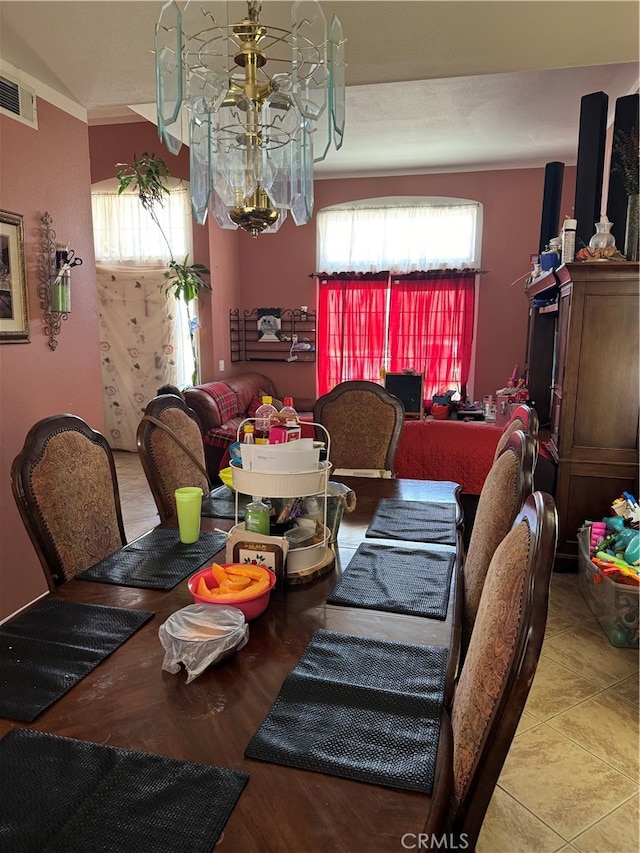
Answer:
(262, 105)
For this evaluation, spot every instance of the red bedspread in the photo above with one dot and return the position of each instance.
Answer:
(447, 450)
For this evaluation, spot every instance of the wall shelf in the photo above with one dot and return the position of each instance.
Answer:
(293, 341)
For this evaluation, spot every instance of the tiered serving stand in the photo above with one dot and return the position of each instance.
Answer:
(315, 559)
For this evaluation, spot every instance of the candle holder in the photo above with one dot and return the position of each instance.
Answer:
(54, 262)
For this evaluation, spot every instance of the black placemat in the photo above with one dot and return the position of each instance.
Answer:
(70, 796)
(158, 560)
(411, 578)
(221, 503)
(47, 650)
(360, 708)
(415, 521)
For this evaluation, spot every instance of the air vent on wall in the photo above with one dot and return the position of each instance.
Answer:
(18, 101)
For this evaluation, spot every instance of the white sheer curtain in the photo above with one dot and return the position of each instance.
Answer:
(144, 334)
(124, 230)
(399, 234)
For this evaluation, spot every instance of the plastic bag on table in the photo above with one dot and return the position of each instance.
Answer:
(199, 635)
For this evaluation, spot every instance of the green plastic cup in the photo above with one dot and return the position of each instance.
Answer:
(189, 508)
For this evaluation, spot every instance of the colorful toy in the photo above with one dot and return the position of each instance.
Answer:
(597, 534)
(616, 568)
(626, 507)
(614, 522)
(632, 551)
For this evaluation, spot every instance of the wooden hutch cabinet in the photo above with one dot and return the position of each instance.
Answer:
(583, 373)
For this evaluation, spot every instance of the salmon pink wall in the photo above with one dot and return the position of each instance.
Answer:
(214, 337)
(45, 170)
(276, 267)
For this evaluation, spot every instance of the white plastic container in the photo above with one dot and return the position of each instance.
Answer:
(299, 559)
(278, 485)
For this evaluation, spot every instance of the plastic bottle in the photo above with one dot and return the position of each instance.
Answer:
(249, 437)
(264, 415)
(287, 412)
(256, 516)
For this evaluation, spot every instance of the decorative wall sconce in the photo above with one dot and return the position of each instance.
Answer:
(55, 261)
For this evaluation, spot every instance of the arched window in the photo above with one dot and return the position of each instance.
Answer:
(399, 235)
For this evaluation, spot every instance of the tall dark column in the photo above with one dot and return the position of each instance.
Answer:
(549, 224)
(626, 120)
(590, 165)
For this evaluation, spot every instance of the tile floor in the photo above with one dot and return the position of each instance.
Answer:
(570, 782)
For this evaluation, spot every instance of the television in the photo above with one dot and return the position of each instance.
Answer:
(409, 388)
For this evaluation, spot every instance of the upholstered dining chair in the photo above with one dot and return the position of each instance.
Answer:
(494, 683)
(507, 485)
(171, 452)
(364, 422)
(65, 486)
(523, 417)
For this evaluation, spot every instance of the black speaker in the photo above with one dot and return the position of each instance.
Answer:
(552, 194)
(590, 165)
(626, 120)
(409, 388)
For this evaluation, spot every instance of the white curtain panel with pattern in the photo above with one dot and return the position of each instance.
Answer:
(139, 344)
(144, 337)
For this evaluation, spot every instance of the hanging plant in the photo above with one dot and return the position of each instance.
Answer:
(147, 176)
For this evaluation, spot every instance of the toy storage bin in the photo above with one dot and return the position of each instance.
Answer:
(615, 605)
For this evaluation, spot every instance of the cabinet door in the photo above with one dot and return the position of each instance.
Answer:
(599, 419)
(542, 333)
(559, 366)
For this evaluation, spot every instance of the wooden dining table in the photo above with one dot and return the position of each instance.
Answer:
(129, 701)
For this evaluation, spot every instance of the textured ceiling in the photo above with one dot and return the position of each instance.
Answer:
(431, 86)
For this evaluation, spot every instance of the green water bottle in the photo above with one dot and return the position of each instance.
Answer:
(256, 516)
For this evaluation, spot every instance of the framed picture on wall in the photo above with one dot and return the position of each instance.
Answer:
(14, 309)
(269, 324)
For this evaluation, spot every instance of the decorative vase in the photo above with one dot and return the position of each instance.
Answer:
(632, 234)
(603, 238)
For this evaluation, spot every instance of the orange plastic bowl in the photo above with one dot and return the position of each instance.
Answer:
(251, 605)
(440, 412)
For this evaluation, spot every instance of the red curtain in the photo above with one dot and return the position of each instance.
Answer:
(351, 330)
(431, 327)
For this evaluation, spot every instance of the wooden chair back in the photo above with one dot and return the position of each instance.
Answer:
(65, 486)
(508, 484)
(171, 464)
(525, 418)
(364, 422)
(499, 668)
